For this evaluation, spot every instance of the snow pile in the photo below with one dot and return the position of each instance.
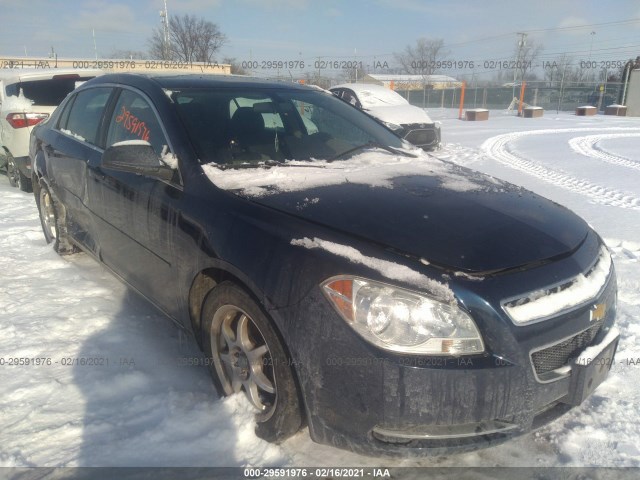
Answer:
(20, 102)
(389, 269)
(376, 168)
(169, 158)
(105, 380)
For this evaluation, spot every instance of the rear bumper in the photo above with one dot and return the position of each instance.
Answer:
(24, 165)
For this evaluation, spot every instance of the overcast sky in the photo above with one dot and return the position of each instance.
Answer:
(334, 29)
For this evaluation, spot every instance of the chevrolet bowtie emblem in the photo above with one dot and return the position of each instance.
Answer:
(597, 312)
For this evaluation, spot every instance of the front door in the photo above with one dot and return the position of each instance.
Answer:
(138, 214)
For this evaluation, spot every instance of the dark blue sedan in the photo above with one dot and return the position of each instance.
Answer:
(331, 272)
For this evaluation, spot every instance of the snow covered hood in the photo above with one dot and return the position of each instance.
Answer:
(441, 213)
(399, 114)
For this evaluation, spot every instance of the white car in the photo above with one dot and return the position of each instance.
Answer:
(27, 97)
(407, 121)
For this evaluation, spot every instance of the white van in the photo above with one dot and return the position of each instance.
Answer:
(27, 97)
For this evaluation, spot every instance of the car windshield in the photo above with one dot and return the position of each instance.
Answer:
(235, 127)
(380, 98)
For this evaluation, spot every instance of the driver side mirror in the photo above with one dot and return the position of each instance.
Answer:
(136, 156)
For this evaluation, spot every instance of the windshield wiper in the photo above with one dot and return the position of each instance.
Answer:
(373, 145)
(265, 164)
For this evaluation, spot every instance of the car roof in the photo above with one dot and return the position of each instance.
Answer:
(25, 74)
(177, 81)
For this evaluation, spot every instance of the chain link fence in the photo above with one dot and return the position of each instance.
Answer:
(561, 98)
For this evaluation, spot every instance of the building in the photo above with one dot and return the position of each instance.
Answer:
(633, 94)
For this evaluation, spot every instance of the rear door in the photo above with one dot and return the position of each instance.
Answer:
(137, 214)
(76, 145)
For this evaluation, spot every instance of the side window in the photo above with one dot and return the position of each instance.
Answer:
(134, 119)
(64, 118)
(350, 97)
(318, 118)
(81, 119)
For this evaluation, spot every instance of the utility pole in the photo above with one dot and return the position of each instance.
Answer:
(355, 55)
(164, 14)
(95, 47)
(592, 34)
(521, 43)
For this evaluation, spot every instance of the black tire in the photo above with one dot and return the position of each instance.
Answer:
(16, 177)
(53, 220)
(12, 171)
(236, 363)
(24, 182)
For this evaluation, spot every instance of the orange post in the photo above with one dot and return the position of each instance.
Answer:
(464, 85)
(524, 84)
(392, 85)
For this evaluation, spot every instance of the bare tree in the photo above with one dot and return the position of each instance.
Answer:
(352, 75)
(526, 54)
(557, 70)
(191, 39)
(423, 57)
(314, 78)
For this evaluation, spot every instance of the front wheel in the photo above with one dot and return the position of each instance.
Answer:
(247, 355)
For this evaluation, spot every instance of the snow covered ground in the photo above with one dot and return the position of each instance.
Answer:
(132, 401)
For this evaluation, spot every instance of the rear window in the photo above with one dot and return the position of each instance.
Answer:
(85, 114)
(47, 93)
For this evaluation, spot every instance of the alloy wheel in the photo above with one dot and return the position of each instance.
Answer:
(242, 358)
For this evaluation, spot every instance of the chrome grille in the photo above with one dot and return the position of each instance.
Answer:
(558, 355)
(421, 136)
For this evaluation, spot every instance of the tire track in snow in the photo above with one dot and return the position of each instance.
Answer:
(625, 251)
(497, 149)
(589, 147)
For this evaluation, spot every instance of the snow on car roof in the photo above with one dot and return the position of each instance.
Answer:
(371, 95)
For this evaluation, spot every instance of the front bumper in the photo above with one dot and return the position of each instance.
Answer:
(363, 399)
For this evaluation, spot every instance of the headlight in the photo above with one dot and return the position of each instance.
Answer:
(402, 321)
